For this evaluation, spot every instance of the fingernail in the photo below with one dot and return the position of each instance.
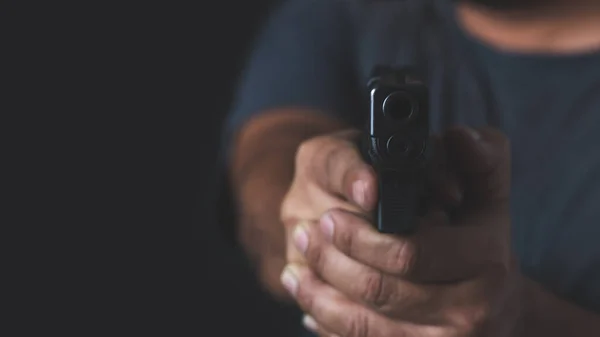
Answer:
(310, 323)
(301, 238)
(289, 281)
(358, 192)
(327, 226)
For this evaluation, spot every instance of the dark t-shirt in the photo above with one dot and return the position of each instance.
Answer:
(319, 53)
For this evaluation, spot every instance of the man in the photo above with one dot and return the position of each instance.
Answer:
(523, 257)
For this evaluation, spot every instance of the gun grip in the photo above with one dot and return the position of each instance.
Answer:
(398, 203)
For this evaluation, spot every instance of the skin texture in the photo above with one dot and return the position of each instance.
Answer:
(456, 277)
(261, 173)
(304, 201)
(550, 27)
(444, 281)
(264, 151)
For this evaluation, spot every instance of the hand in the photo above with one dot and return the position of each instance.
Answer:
(454, 278)
(261, 172)
(329, 174)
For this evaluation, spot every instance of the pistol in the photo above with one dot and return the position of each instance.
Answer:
(396, 145)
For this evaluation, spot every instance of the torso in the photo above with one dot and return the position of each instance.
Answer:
(548, 106)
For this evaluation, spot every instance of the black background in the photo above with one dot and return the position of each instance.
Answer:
(119, 108)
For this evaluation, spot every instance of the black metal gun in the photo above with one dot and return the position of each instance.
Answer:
(397, 146)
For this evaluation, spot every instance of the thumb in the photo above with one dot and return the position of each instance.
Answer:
(335, 164)
(482, 159)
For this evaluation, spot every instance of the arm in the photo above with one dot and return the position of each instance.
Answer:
(298, 84)
(261, 173)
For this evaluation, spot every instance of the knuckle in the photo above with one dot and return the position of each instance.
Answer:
(334, 156)
(293, 206)
(306, 149)
(316, 257)
(306, 300)
(375, 290)
(472, 321)
(357, 326)
(339, 150)
(304, 156)
(316, 153)
(345, 240)
(403, 257)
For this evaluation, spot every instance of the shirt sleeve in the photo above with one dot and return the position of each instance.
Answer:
(303, 58)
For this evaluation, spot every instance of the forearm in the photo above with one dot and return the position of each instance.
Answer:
(261, 172)
(272, 138)
(549, 316)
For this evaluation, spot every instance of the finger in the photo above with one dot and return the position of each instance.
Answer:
(446, 190)
(436, 253)
(445, 186)
(311, 325)
(292, 253)
(383, 292)
(336, 165)
(482, 157)
(336, 313)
